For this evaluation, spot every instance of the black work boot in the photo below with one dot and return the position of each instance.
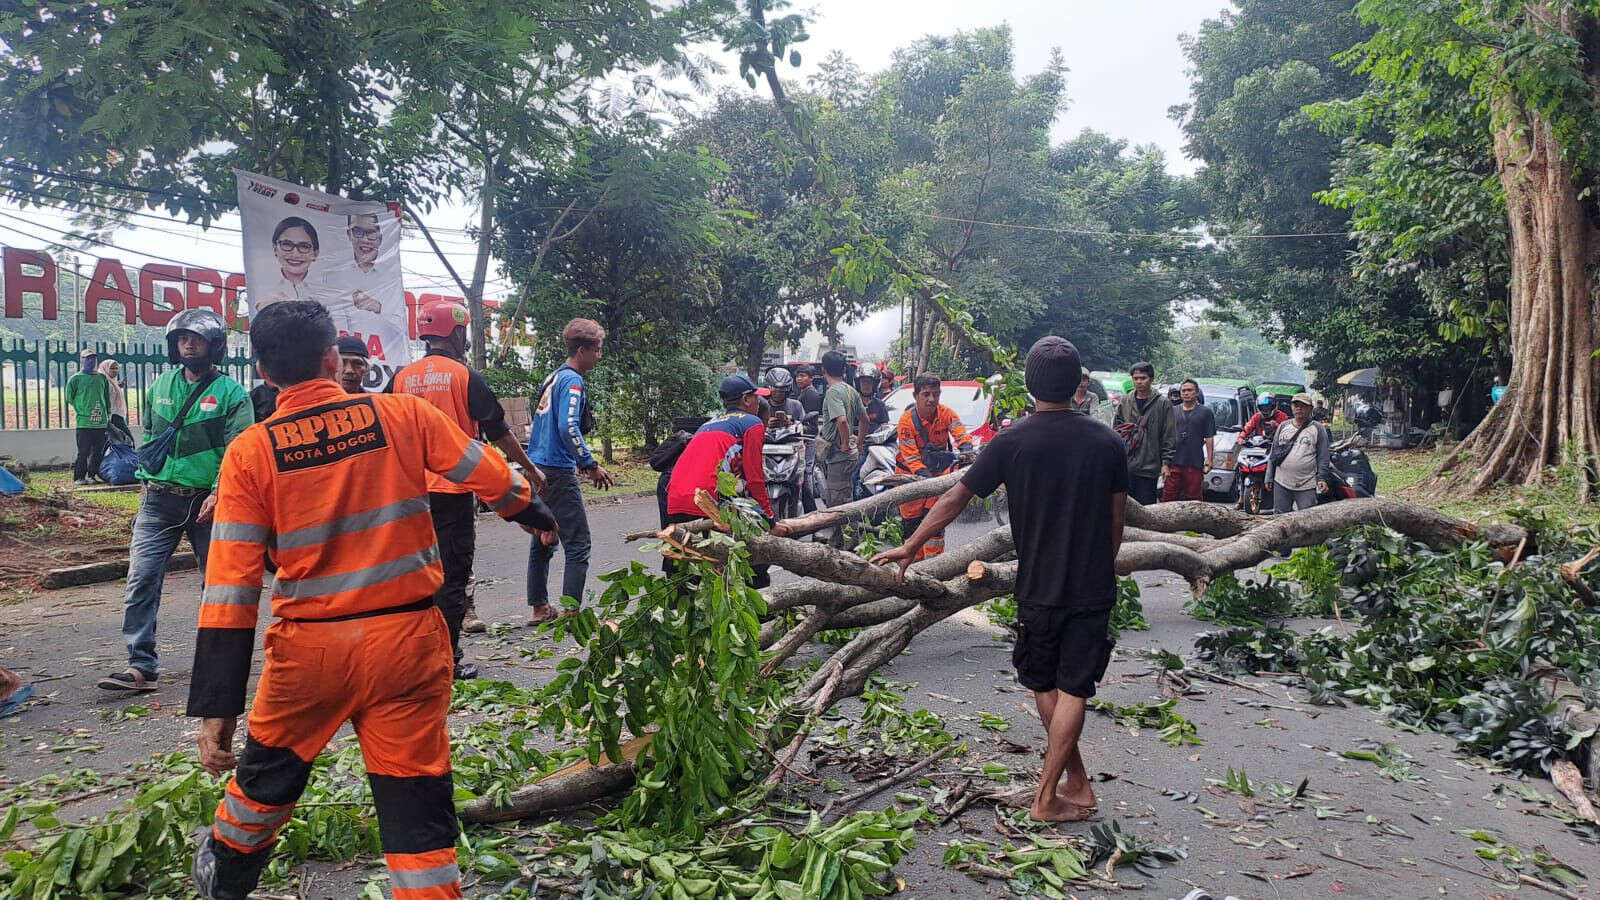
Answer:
(222, 873)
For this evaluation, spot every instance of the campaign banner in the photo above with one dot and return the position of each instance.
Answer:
(302, 244)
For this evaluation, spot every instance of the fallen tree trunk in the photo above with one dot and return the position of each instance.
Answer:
(838, 589)
(811, 523)
(835, 582)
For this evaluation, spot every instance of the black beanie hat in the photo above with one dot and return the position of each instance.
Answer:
(1053, 370)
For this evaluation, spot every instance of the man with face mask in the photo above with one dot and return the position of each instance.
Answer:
(444, 380)
(206, 410)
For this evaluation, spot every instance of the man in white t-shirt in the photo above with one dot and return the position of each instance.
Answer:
(366, 301)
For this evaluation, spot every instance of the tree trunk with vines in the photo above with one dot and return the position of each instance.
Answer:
(1548, 415)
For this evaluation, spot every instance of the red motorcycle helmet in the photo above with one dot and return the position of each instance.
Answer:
(441, 318)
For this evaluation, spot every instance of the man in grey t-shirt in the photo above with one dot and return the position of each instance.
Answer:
(1298, 465)
(842, 415)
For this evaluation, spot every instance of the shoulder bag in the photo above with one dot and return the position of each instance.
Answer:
(153, 454)
(1132, 433)
(1280, 447)
(938, 461)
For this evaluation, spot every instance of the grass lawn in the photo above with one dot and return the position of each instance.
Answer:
(49, 481)
(1401, 473)
(631, 472)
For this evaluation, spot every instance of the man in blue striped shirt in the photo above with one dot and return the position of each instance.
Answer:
(563, 415)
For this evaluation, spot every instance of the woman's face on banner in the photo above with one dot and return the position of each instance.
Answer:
(296, 252)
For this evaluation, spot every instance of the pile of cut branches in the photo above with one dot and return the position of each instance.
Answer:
(1457, 639)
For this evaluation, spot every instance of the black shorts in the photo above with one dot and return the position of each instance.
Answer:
(1063, 649)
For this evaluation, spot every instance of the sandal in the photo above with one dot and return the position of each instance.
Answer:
(131, 680)
(13, 704)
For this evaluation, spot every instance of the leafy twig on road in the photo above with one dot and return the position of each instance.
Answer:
(908, 772)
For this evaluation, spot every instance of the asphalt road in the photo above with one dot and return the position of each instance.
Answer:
(1362, 832)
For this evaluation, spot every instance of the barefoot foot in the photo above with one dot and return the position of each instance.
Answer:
(1058, 810)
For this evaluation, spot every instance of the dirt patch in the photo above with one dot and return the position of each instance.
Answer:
(40, 533)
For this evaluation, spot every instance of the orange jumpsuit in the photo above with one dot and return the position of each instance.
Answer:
(336, 486)
(944, 432)
(467, 400)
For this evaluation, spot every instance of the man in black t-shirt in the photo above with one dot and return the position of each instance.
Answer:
(1066, 478)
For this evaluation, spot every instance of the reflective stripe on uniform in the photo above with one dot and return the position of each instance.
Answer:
(312, 535)
(244, 815)
(512, 497)
(233, 834)
(417, 879)
(242, 532)
(230, 595)
(462, 470)
(359, 578)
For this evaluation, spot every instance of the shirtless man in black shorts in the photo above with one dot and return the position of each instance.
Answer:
(1066, 477)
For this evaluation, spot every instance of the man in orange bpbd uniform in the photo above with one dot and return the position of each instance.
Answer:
(932, 442)
(444, 380)
(334, 485)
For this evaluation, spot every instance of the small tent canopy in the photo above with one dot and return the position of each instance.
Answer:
(1360, 378)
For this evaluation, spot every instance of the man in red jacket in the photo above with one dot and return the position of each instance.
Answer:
(1266, 421)
(730, 442)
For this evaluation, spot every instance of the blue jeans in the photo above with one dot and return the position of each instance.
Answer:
(163, 518)
(564, 495)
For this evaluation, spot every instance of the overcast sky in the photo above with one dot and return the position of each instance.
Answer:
(1125, 67)
(1125, 70)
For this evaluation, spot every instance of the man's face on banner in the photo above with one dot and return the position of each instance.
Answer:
(366, 238)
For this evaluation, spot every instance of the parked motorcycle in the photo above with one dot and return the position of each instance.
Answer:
(877, 473)
(784, 460)
(1351, 476)
(1364, 416)
(1250, 473)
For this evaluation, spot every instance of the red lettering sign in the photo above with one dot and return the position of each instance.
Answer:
(204, 288)
(19, 283)
(170, 278)
(119, 290)
(164, 290)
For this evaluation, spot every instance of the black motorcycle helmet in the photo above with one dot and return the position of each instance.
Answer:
(205, 324)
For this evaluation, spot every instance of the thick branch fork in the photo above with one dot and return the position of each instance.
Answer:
(838, 589)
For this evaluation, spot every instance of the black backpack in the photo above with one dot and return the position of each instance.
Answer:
(666, 453)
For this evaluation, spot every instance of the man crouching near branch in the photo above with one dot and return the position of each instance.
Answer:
(1066, 475)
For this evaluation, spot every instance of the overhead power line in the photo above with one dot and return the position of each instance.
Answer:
(33, 236)
(201, 237)
(1133, 234)
(66, 205)
(205, 198)
(1021, 226)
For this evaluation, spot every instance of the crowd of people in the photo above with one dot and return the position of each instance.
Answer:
(1171, 441)
(364, 507)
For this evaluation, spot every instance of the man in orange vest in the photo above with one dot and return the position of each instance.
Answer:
(444, 380)
(932, 441)
(337, 486)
